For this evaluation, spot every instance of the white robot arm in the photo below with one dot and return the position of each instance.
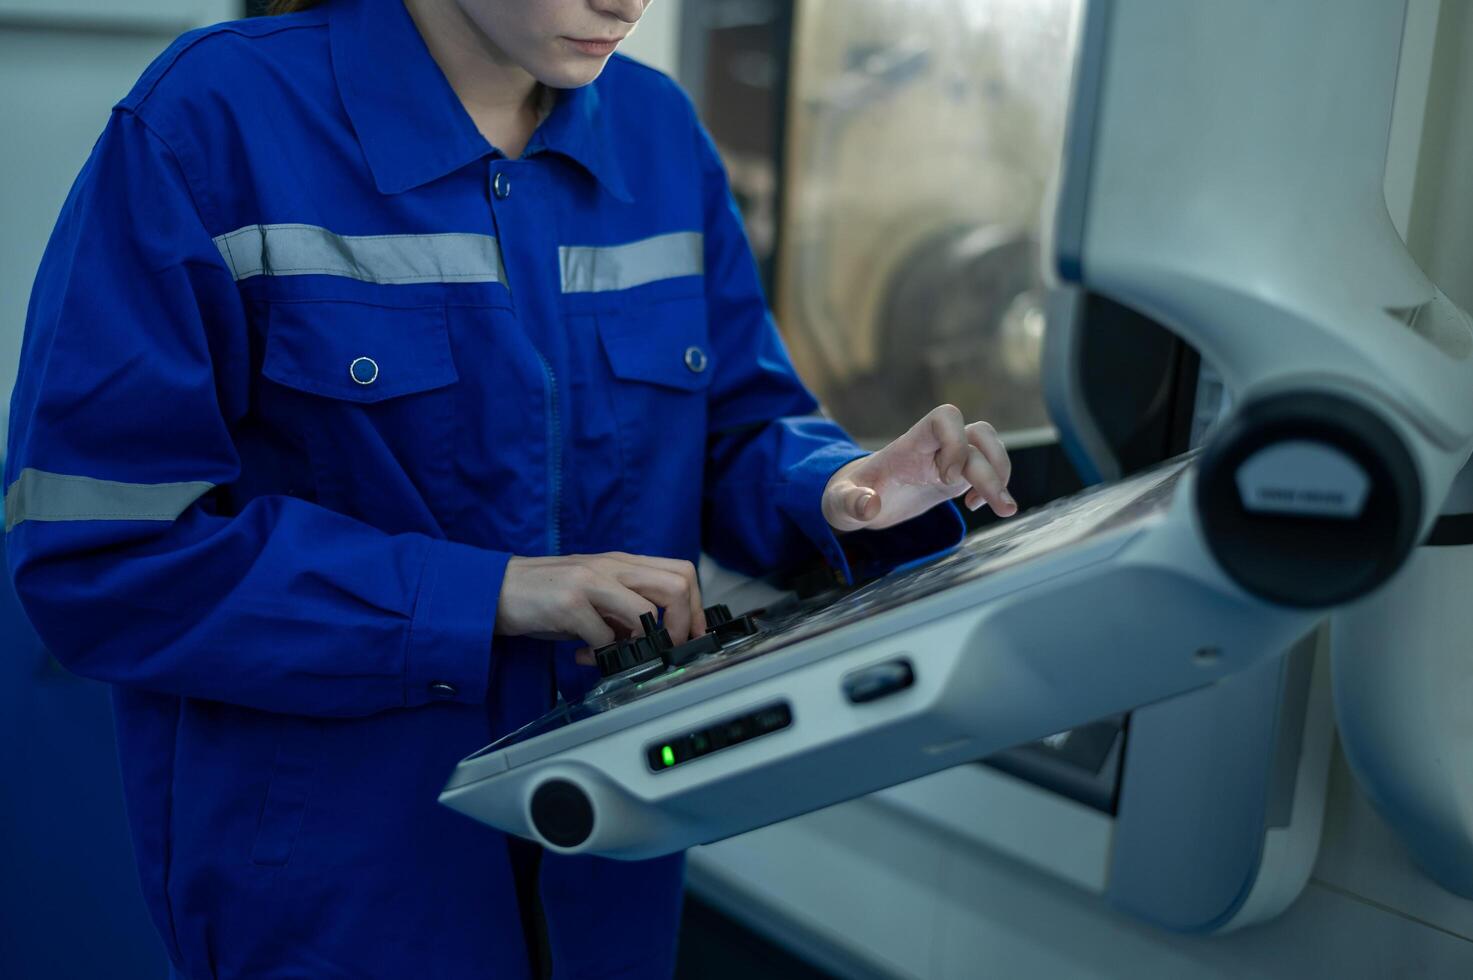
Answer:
(1225, 176)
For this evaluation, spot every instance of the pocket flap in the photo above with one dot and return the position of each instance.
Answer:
(662, 343)
(358, 351)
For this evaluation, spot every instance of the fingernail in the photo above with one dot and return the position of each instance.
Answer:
(975, 504)
(1008, 498)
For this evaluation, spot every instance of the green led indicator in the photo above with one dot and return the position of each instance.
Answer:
(668, 754)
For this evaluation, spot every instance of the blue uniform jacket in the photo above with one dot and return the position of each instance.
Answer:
(306, 361)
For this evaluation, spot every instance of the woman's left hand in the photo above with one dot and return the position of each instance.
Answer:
(941, 457)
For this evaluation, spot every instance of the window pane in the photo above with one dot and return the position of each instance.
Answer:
(922, 135)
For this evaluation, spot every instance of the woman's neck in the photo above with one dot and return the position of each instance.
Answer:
(501, 97)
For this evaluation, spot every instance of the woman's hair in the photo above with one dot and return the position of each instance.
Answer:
(291, 6)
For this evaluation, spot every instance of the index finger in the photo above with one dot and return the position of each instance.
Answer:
(985, 438)
(669, 591)
(687, 571)
(946, 428)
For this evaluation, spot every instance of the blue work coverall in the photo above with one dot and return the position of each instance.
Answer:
(306, 361)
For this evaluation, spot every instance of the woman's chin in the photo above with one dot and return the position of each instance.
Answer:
(570, 73)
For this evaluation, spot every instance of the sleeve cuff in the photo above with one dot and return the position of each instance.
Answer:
(862, 555)
(450, 635)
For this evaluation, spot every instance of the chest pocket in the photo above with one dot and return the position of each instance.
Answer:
(369, 392)
(662, 343)
(356, 351)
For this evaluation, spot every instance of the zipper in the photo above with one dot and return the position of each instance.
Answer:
(554, 461)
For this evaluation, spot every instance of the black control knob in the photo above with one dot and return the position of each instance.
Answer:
(717, 615)
(720, 621)
(637, 651)
(721, 627)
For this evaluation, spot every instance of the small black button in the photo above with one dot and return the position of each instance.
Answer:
(440, 689)
(879, 681)
(772, 719)
(684, 750)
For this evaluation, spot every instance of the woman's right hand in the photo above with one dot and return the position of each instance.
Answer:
(598, 598)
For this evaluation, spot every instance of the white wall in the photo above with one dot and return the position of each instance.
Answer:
(1440, 231)
(1409, 113)
(656, 40)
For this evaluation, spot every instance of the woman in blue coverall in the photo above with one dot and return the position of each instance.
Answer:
(387, 355)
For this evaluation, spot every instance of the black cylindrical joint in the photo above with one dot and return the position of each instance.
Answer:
(1308, 499)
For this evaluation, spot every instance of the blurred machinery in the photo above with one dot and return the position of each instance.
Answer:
(920, 144)
(891, 162)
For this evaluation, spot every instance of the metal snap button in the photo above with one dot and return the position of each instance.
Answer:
(442, 690)
(501, 186)
(695, 359)
(363, 370)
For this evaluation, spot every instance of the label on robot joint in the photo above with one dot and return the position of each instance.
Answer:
(1304, 478)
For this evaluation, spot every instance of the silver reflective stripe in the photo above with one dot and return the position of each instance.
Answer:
(40, 496)
(590, 269)
(300, 250)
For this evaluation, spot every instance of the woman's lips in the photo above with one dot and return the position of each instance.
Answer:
(596, 48)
